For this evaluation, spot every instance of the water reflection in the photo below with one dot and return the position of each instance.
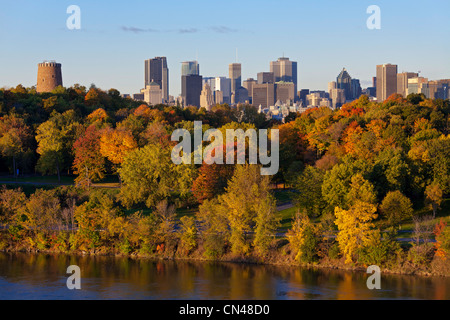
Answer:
(41, 276)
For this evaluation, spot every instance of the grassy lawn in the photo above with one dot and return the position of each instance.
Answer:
(286, 218)
(282, 196)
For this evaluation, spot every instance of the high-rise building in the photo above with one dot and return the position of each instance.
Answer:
(285, 91)
(331, 85)
(402, 82)
(263, 95)
(386, 81)
(234, 71)
(49, 76)
(240, 95)
(218, 97)
(224, 84)
(337, 97)
(265, 77)
(355, 89)
(190, 67)
(206, 98)
(284, 70)
(302, 95)
(344, 81)
(152, 94)
(248, 84)
(211, 81)
(156, 70)
(191, 88)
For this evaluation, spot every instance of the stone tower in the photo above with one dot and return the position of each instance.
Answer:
(49, 76)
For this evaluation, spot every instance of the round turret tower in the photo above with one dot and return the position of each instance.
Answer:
(49, 76)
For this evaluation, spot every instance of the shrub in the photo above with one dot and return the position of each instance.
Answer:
(188, 234)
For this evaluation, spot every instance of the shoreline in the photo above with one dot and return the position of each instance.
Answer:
(324, 264)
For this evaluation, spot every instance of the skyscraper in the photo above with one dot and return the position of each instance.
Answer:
(234, 71)
(206, 97)
(344, 81)
(223, 84)
(402, 82)
(248, 84)
(386, 81)
(284, 91)
(284, 70)
(337, 97)
(355, 89)
(156, 70)
(190, 67)
(191, 88)
(263, 95)
(265, 77)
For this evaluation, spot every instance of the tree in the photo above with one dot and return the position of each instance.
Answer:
(211, 181)
(361, 190)
(12, 202)
(89, 163)
(116, 143)
(43, 212)
(15, 138)
(267, 224)
(55, 139)
(433, 194)
(304, 238)
(395, 208)
(188, 234)
(354, 227)
(309, 187)
(214, 227)
(149, 176)
(245, 194)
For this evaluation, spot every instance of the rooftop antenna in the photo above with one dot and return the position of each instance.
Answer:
(196, 55)
(236, 55)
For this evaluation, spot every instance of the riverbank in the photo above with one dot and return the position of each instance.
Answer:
(437, 267)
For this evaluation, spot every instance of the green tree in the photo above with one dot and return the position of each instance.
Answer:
(149, 175)
(396, 207)
(309, 188)
(55, 139)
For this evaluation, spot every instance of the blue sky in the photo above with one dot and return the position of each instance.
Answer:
(322, 36)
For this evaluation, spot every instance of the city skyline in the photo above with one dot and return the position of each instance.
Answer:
(115, 39)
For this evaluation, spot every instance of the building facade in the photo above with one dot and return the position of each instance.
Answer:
(386, 81)
(191, 88)
(190, 67)
(156, 70)
(402, 82)
(263, 95)
(234, 73)
(206, 97)
(284, 70)
(344, 82)
(152, 94)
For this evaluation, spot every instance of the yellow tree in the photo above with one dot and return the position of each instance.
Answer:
(116, 143)
(433, 193)
(354, 226)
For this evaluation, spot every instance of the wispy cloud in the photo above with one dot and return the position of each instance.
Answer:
(222, 29)
(187, 30)
(137, 30)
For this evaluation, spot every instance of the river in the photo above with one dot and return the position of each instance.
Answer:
(43, 276)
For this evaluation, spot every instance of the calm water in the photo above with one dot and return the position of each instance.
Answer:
(41, 276)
